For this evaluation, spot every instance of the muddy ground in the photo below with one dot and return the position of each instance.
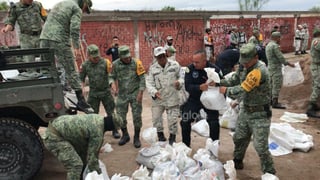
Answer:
(295, 166)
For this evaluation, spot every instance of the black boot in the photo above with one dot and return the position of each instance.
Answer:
(238, 164)
(297, 53)
(276, 104)
(161, 136)
(172, 139)
(115, 134)
(125, 137)
(312, 110)
(82, 105)
(136, 140)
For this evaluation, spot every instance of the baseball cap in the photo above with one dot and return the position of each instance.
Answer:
(124, 51)
(93, 50)
(276, 34)
(169, 38)
(247, 52)
(158, 51)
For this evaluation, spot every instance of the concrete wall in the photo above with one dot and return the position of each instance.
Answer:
(144, 30)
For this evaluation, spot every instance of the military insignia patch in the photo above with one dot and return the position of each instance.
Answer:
(195, 74)
(315, 42)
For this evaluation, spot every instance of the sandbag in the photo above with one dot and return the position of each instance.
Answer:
(292, 76)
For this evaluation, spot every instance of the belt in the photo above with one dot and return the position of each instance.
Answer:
(32, 33)
(297, 38)
(252, 109)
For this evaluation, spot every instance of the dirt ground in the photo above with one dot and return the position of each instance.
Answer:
(294, 166)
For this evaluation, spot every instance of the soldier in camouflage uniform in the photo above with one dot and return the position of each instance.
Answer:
(163, 84)
(250, 84)
(76, 141)
(29, 15)
(234, 37)
(315, 72)
(61, 28)
(97, 70)
(128, 81)
(275, 61)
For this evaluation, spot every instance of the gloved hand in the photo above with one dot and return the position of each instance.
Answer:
(94, 167)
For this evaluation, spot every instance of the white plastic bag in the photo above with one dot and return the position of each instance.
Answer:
(229, 118)
(212, 99)
(268, 176)
(230, 170)
(94, 175)
(201, 127)
(150, 135)
(292, 76)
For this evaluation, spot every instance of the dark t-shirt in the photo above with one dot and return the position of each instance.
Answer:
(113, 51)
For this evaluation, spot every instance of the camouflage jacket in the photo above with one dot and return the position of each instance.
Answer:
(275, 57)
(258, 95)
(130, 77)
(63, 23)
(84, 132)
(163, 80)
(98, 74)
(29, 17)
(315, 50)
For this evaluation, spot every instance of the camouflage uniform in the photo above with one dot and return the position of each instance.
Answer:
(163, 80)
(61, 28)
(275, 61)
(76, 140)
(131, 81)
(315, 72)
(98, 74)
(234, 37)
(251, 86)
(30, 19)
(62, 22)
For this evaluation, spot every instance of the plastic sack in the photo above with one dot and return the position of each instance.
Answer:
(212, 75)
(106, 148)
(148, 156)
(141, 174)
(292, 76)
(230, 170)
(150, 135)
(213, 147)
(201, 127)
(229, 118)
(268, 176)
(212, 99)
(183, 94)
(294, 117)
(94, 175)
(166, 170)
(119, 177)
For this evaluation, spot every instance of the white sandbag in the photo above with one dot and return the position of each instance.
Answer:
(201, 127)
(141, 174)
(268, 176)
(106, 148)
(213, 147)
(292, 76)
(212, 75)
(149, 156)
(294, 117)
(150, 135)
(212, 99)
(94, 175)
(230, 170)
(119, 177)
(166, 170)
(229, 118)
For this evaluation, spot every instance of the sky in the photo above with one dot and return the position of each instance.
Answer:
(212, 5)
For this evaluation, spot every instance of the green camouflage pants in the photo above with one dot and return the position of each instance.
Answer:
(275, 82)
(315, 72)
(65, 59)
(122, 105)
(28, 41)
(95, 98)
(257, 125)
(66, 154)
(172, 117)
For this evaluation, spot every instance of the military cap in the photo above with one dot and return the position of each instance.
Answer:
(276, 34)
(158, 51)
(247, 52)
(316, 32)
(124, 51)
(169, 38)
(255, 32)
(93, 50)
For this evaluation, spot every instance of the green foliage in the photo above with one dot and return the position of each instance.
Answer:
(251, 5)
(4, 5)
(168, 8)
(315, 9)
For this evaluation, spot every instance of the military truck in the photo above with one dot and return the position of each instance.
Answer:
(27, 102)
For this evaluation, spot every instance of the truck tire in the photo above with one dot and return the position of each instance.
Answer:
(21, 150)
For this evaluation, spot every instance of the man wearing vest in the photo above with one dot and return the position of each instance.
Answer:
(97, 70)
(128, 81)
(29, 15)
